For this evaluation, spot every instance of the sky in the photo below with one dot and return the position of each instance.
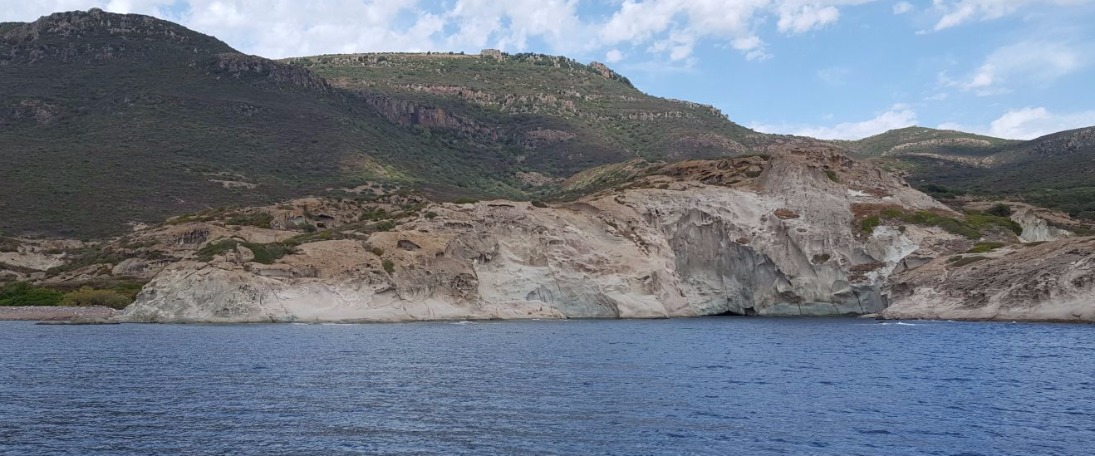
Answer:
(832, 69)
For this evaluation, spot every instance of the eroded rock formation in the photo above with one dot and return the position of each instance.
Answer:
(693, 238)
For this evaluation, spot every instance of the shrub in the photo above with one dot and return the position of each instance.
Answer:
(980, 220)
(374, 214)
(431, 215)
(264, 253)
(259, 219)
(25, 294)
(389, 266)
(1000, 210)
(86, 297)
(832, 175)
(948, 224)
(539, 204)
(984, 247)
(870, 223)
(386, 225)
(8, 245)
(960, 261)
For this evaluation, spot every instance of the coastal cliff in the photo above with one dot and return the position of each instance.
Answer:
(750, 236)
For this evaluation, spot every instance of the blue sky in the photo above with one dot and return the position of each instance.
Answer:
(825, 68)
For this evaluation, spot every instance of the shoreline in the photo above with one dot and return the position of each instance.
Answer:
(105, 315)
(55, 313)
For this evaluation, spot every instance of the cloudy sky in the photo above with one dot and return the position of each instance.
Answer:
(824, 68)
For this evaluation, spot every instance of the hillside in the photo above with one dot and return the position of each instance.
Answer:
(110, 119)
(1056, 170)
(559, 115)
(923, 141)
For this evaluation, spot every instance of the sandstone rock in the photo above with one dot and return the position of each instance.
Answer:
(709, 244)
(1054, 281)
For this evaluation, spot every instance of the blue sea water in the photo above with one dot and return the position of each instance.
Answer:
(708, 386)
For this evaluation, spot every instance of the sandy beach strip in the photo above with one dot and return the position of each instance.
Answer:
(54, 313)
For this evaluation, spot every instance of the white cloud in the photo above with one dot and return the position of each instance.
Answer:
(1029, 63)
(902, 7)
(670, 29)
(613, 56)
(1028, 123)
(806, 17)
(897, 116)
(957, 12)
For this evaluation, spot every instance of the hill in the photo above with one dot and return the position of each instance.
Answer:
(107, 119)
(110, 119)
(560, 116)
(1056, 170)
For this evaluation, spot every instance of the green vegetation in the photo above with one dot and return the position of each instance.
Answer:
(985, 247)
(946, 164)
(374, 214)
(183, 113)
(91, 297)
(264, 253)
(999, 210)
(959, 260)
(90, 255)
(389, 266)
(868, 224)
(25, 294)
(832, 175)
(926, 140)
(973, 227)
(982, 221)
(116, 294)
(386, 225)
(258, 219)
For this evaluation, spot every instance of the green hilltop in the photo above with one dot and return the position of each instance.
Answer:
(1056, 170)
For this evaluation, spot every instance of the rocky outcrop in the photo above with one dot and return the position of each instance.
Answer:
(55, 38)
(1054, 281)
(408, 114)
(263, 70)
(694, 238)
(1035, 228)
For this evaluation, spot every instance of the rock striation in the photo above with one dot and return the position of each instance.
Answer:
(748, 236)
(1054, 281)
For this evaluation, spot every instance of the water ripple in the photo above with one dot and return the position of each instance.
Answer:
(702, 386)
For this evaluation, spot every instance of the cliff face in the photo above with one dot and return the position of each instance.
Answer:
(1054, 281)
(742, 236)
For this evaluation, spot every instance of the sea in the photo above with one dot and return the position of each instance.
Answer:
(701, 386)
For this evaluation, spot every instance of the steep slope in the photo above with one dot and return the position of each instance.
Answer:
(111, 118)
(559, 116)
(1056, 170)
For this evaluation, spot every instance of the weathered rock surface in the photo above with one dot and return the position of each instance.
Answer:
(740, 236)
(1054, 281)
